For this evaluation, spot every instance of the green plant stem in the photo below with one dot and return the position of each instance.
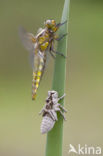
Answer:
(54, 137)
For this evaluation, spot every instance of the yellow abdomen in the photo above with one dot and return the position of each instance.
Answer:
(36, 78)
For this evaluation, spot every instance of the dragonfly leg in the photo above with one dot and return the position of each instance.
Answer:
(50, 50)
(59, 38)
(52, 55)
(60, 24)
(58, 52)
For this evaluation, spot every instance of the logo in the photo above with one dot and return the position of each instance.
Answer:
(81, 150)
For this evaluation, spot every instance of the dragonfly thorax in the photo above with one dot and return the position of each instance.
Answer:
(43, 41)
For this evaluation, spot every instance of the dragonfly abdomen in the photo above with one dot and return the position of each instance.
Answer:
(36, 78)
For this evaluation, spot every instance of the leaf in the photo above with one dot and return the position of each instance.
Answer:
(54, 137)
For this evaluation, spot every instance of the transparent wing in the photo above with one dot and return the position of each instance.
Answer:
(29, 42)
(27, 39)
(39, 32)
(36, 63)
(39, 61)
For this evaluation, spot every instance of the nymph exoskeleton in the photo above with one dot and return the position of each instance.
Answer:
(49, 111)
(38, 45)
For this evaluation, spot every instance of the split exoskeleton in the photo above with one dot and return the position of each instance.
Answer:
(49, 111)
(38, 45)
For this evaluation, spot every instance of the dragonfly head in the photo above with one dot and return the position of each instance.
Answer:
(50, 25)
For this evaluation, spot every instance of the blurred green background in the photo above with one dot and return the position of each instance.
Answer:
(19, 120)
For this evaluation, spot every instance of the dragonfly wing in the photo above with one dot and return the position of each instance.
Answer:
(44, 64)
(39, 61)
(28, 39)
(40, 32)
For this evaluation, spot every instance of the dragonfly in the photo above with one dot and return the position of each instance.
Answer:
(39, 45)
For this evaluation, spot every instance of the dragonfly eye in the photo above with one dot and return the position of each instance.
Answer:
(50, 24)
(53, 22)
